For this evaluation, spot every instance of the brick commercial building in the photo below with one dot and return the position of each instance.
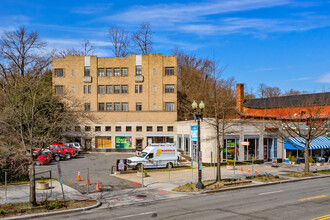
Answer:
(133, 100)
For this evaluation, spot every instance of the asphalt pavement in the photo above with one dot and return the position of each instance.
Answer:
(99, 165)
(298, 200)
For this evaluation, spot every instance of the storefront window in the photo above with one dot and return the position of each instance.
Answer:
(252, 150)
(123, 142)
(231, 149)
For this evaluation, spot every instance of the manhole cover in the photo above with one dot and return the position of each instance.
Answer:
(141, 196)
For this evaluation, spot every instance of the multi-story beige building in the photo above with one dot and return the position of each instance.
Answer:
(132, 100)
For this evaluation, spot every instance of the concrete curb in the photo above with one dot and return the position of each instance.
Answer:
(263, 184)
(44, 214)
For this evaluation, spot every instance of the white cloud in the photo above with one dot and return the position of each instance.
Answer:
(324, 78)
(91, 8)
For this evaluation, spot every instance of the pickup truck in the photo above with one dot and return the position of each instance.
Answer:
(68, 151)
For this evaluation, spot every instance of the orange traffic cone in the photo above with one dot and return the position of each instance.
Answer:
(255, 172)
(241, 169)
(249, 171)
(88, 182)
(97, 186)
(78, 178)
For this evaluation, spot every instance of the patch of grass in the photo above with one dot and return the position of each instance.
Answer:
(323, 172)
(13, 209)
(265, 178)
(211, 185)
(300, 174)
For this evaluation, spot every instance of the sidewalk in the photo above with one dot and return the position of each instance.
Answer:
(20, 193)
(170, 179)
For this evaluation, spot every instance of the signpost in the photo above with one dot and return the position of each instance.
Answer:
(60, 178)
(121, 165)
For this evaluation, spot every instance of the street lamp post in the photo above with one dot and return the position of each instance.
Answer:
(199, 117)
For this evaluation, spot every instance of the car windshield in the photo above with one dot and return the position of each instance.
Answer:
(143, 154)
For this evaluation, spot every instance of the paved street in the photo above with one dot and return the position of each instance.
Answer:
(299, 200)
(99, 165)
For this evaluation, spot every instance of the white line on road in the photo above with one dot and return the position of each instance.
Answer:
(128, 216)
(260, 194)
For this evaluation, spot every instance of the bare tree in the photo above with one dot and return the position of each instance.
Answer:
(303, 122)
(119, 39)
(21, 54)
(267, 91)
(88, 48)
(69, 51)
(142, 38)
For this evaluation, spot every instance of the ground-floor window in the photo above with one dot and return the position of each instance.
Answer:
(231, 149)
(179, 142)
(252, 150)
(186, 150)
(123, 142)
(103, 142)
(270, 148)
(160, 139)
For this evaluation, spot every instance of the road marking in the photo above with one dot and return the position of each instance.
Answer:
(260, 194)
(322, 217)
(128, 216)
(310, 198)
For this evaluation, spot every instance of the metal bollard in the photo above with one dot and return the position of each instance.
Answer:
(87, 181)
(142, 176)
(5, 186)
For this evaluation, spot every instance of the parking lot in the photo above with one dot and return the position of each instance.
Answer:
(99, 165)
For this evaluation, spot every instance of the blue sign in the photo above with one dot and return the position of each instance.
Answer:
(194, 133)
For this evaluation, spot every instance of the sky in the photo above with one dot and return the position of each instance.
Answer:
(281, 43)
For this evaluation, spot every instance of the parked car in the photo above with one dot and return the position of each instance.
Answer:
(74, 145)
(69, 152)
(43, 158)
(57, 156)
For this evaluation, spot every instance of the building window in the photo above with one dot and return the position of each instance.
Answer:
(77, 128)
(107, 128)
(155, 107)
(149, 128)
(101, 107)
(123, 71)
(72, 72)
(109, 107)
(128, 128)
(169, 106)
(118, 128)
(169, 71)
(117, 106)
(109, 89)
(124, 106)
(159, 128)
(139, 128)
(155, 88)
(87, 107)
(138, 88)
(58, 89)
(124, 88)
(101, 72)
(116, 89)
(85, 89)
(58, 72)
(116, 72)
(73, 90)
(87, 71)
(138, 70)
(101, 89)
(109, 72)
(169, 88)
(169, 128)
(139, 106)
(97, 128)
(87, 128)
(89, 89)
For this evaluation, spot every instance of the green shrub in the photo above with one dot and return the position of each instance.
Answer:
(293, 159)
(277, 177)
(42, 180)
(55, 204)
(290, 156)
(2, 211)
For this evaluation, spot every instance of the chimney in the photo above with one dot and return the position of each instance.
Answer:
(239, 96)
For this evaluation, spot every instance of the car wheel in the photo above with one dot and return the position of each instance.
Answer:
(68, 156)
(57, 158)
(169, 165)
(38, 163)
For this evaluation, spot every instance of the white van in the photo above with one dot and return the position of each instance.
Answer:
(155, 156)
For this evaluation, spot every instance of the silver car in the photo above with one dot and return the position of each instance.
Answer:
(74, 145)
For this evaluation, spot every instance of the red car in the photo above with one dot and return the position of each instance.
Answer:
(69, 152)
(43, 158)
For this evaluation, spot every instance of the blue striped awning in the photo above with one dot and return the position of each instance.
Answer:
(318, 143)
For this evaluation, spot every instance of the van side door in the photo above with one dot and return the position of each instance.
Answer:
(150, 162)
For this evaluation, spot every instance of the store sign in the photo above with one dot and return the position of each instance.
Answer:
(194, 133)
(123, 142)
(121, 165)
(245, 143)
